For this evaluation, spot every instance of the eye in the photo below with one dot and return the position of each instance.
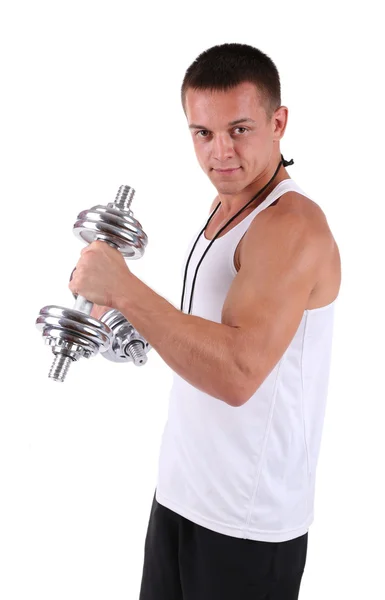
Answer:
(202, 131)
(242, 128)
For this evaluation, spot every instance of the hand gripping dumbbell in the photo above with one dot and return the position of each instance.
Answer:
(73, 333)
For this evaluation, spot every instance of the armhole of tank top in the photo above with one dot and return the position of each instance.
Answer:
(232, 258)
(234, 245)
(233, 248)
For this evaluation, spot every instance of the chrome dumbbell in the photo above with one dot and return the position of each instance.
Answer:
(71, 332)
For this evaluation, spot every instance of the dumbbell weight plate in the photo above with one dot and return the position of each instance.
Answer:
(105, 222)
(76, 327)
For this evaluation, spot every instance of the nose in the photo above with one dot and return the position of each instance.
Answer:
(222, 148)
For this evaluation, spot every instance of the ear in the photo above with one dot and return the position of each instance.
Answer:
(280, 119)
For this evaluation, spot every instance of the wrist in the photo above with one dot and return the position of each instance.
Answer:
(121, 299)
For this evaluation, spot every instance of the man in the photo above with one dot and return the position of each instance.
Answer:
(250, 350)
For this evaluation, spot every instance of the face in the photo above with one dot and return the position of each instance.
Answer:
(234, 142)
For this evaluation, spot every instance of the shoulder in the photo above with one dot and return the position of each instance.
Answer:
(296, 213)
(293, 203)
(295, 225)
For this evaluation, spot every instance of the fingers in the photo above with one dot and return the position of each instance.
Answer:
(99, 311)
(96, 244)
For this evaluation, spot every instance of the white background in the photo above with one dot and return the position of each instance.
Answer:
(90, 101)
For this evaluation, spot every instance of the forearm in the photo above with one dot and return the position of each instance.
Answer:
(202, 352)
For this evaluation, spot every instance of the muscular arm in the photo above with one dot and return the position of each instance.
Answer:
(281, 260)
(263, 309)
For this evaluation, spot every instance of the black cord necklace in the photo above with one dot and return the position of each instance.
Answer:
(283, 162)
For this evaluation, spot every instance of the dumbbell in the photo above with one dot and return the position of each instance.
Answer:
(71, 332)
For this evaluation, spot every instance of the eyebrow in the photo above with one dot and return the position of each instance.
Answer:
(236, 122)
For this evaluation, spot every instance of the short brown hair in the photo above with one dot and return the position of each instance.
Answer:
(225, 66)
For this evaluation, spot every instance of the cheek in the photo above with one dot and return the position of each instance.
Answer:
(249, 152)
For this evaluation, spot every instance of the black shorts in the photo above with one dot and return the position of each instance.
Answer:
(185, 561)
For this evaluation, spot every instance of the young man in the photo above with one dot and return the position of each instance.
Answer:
(250, 350)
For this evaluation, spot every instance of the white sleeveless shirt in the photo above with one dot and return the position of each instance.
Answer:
(249, 471)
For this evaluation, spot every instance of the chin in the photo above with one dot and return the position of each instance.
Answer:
(229, 188)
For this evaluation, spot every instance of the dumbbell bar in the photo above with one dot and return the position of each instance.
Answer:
(73, 333)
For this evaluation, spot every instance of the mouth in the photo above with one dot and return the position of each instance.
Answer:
(227, 171)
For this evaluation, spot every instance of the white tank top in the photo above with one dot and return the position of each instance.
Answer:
(249, 471)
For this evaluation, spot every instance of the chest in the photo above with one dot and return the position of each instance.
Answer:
(216, 224)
